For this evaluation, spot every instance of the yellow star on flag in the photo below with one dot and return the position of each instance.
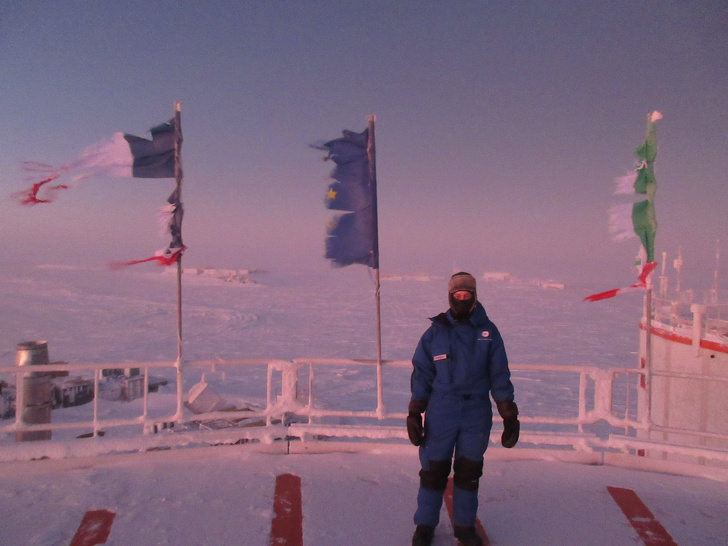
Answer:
(331, 194)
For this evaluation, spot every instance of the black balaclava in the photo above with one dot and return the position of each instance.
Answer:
(462, 309)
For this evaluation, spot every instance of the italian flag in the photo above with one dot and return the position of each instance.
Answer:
(637, 219)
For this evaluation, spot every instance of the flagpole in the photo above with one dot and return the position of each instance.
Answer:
(648, 318)
(371, 156)
(648, 350)
(178, 174)
(714, 293)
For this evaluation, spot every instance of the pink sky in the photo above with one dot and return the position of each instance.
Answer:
(500, 129)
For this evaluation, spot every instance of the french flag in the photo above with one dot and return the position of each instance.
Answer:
(120, 156)
(171, 216)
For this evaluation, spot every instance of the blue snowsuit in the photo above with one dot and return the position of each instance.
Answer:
(456, 365)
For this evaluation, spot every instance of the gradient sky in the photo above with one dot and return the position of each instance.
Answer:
(501, 127)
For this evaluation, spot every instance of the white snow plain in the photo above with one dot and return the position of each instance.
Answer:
(224, 495)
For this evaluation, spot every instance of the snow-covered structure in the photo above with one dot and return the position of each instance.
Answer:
(71, 391)
(577, 411)
(222, 274)
(684, 350)
(496, 276)
(7, 401)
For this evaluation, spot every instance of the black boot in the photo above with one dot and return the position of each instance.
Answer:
(467, 536)
(423, 535)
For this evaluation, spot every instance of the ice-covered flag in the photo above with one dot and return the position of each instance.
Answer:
(641, 284)
(172, 213)
(352, 237)
(121, 155)
(171, 217)
(638, 218)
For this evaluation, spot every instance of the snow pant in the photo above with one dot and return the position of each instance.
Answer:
(459, 425)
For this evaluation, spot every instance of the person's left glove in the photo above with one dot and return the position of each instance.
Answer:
(511, 425)
(415, 430)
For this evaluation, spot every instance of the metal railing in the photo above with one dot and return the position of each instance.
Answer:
(683, 315)
(599, 411)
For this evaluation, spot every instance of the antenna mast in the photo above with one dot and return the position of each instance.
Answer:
(714, 293)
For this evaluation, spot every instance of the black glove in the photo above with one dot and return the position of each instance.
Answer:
(511, 425)
(415, 430)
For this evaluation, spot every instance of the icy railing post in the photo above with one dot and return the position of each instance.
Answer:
(33, 391)
(602, 394)
(145, 404)
(582, 401)
(698, 312)
(97, 373)
(289, 388)
(310, 391)
(675, 314)
(643, 410)
(268, 393)
(289, 384)
(287, 401)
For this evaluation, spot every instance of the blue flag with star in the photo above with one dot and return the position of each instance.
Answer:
(351, 236)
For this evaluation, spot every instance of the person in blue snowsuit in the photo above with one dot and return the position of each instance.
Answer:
(459, 362)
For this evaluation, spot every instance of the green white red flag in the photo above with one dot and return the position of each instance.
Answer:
(637, 219)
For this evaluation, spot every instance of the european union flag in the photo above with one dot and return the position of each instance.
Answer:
(352, 236)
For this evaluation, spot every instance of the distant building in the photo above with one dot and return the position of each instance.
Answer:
(548, 284)
(496, 276)
(120, 372)
(127, 384)
(7, 401)
(132, 388)
(71, 391)
(222, 274)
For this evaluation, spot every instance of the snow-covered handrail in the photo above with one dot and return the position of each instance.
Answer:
(603, 399)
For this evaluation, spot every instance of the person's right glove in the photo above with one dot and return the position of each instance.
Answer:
(511, 425)
(415, 430)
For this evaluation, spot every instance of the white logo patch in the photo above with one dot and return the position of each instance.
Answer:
(485, 333)
(439, 357)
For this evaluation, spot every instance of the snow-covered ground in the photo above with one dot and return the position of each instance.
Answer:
(97, 316)
(224, 495)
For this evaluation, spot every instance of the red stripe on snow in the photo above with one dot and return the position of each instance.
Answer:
(94, 529)
(640, 517)
(478, 525)
(287, 524)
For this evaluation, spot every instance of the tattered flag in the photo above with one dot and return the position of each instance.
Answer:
(637, 219)
(121, 155)
(351, 236)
